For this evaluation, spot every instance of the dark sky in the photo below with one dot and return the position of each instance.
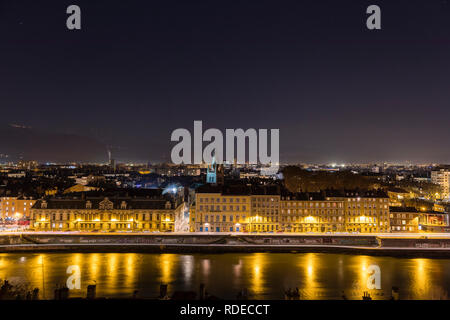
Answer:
(137, 70)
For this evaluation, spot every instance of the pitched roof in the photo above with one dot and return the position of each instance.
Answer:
(134, 199)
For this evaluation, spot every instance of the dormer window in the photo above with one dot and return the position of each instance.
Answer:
(88, 204)
(106, 204)
(168, 205)
(44, 204)
(123, 205)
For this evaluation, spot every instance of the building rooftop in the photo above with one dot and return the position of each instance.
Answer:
(412, 210)
(323, 195)
(113, 199)
(239, 189)
(284, 193)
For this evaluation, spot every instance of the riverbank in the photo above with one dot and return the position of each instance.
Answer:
(437, 246)
(209, 249)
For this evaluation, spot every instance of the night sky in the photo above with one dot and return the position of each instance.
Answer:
(137, 70)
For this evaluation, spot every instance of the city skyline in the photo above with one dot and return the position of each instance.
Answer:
(208, 158)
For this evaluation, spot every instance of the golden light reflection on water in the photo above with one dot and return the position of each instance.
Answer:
(361, 284)
(94, 262)
(420, 279)
(318, 276)
(112, 275)
(39, 272)
(257, 263)
(310, 288)
(130, 269)
(77, 258)
(167, 266)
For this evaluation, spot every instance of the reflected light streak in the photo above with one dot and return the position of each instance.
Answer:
(420, 279)
(166, 265)
(188, 266)
(257, 276)
(311, 288)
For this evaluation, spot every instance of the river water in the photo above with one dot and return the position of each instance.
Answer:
(264, 275)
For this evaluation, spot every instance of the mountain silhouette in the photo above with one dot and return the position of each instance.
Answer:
(21, 142)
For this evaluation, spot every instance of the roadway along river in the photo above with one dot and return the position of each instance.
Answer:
(264, 275)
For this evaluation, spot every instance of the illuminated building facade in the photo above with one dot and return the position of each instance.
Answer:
(366, 211)
(265, 212)
(304, 212)
(28, 165)
(409, 219)
(442, 178)
(331, 211)
(235, 209)
(266, 209)
(15, 207)
(117, 213)
(397, 196)
(217, 212)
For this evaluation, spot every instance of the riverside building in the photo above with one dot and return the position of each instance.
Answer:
(409, 219)
(108, 212)
(442, 178)
(15, 207)
(269, 209)
(336, 211)
(236, 209)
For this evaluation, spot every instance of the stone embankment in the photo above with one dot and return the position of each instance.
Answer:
(418, 245)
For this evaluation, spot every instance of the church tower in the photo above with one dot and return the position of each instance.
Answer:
(211, 173)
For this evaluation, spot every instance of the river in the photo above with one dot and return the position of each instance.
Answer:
(264, 275)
